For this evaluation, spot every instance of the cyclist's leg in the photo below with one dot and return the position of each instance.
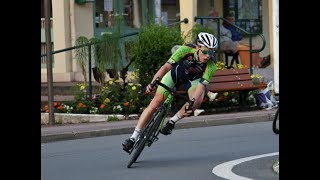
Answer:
(160, 96)
(197, 91)
(191, 87)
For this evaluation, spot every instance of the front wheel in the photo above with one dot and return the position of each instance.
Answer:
(275, 123)
(137, 152)
(147, 133)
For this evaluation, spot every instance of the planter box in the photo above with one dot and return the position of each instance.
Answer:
(244, 54)
(65, 118)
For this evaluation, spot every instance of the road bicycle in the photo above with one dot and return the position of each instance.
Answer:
(150, 132)
(275, 123)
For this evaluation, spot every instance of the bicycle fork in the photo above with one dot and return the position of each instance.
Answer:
(159, 123)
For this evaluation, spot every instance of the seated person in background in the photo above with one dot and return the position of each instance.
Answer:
(226, 43)
(236, 34)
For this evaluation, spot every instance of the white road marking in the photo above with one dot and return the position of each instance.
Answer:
(224, 170)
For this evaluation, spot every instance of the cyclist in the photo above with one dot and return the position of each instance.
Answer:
(190, 67)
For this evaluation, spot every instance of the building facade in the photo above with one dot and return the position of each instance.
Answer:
(71, 19)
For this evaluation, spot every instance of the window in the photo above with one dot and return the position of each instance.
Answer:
(107, 10)
(246, 13)
(168, 2)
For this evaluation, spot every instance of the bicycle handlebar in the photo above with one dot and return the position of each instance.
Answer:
(173, 92)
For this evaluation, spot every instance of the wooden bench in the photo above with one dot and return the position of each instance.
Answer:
(234, 80)
(228, 80)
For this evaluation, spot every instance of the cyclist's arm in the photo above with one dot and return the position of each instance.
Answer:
(197, 94)
(175, 57)
(162, 71)
(208, 73)
(204, 81)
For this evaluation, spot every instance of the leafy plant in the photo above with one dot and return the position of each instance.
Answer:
(105, 51)
(257, 78)
(196, 29)
(152, 49)
(113, 118)
(82, 55)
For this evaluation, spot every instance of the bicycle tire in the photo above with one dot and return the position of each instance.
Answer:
(151, 128)
(137, 152)
(275, 123)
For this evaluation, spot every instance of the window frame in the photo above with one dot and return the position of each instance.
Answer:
(253, 25)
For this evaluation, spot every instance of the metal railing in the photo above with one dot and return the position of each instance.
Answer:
(185, 20)
(89, 55)
(218, 19)
(44, 59)
(43, 23)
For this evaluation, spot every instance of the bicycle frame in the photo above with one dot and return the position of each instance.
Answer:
(151, 131)
(275, 122)
(167, 105)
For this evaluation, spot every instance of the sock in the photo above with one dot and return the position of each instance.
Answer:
(175, 118)
(211, 95)
(135, 134)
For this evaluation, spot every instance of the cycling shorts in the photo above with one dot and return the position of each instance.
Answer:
(167, 80)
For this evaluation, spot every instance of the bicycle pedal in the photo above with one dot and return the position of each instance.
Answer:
(154, 139)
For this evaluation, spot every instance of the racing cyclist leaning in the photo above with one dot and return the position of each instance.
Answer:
(189, 67)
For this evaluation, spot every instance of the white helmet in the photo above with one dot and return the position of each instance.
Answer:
(207, 40)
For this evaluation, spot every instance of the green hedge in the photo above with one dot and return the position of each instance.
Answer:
(152, 49)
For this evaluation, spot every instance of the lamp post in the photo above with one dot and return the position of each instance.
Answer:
(47, 9)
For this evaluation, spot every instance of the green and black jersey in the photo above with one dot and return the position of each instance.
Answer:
(187, 68)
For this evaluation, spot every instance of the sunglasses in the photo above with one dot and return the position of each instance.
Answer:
(207, 52)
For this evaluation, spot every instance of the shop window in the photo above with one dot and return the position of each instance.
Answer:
(107, 10)
(168, 2)
(246, 13)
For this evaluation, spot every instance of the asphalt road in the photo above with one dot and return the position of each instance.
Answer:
(189, 154)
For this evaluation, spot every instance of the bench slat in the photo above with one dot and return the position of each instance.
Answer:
(238, 77)
(230, 86)
(231, 72)
(234, 86)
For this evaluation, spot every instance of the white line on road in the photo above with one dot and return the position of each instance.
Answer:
(224, 170)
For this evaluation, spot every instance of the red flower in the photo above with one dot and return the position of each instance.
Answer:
(60, 107)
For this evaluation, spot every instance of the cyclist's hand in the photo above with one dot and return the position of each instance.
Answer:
(149, 88)
(187, 112)
(152, 85)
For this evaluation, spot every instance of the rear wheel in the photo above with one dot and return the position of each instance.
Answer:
(275, 123)
(147, 133)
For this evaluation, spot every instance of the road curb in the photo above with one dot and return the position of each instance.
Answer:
(200, 122)
(275, 167)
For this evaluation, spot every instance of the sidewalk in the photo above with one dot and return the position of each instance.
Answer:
(87, 130)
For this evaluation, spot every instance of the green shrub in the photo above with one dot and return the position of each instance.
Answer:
(152, 49)
(196, 29)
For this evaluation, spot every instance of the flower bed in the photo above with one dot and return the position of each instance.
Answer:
(116, 97)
